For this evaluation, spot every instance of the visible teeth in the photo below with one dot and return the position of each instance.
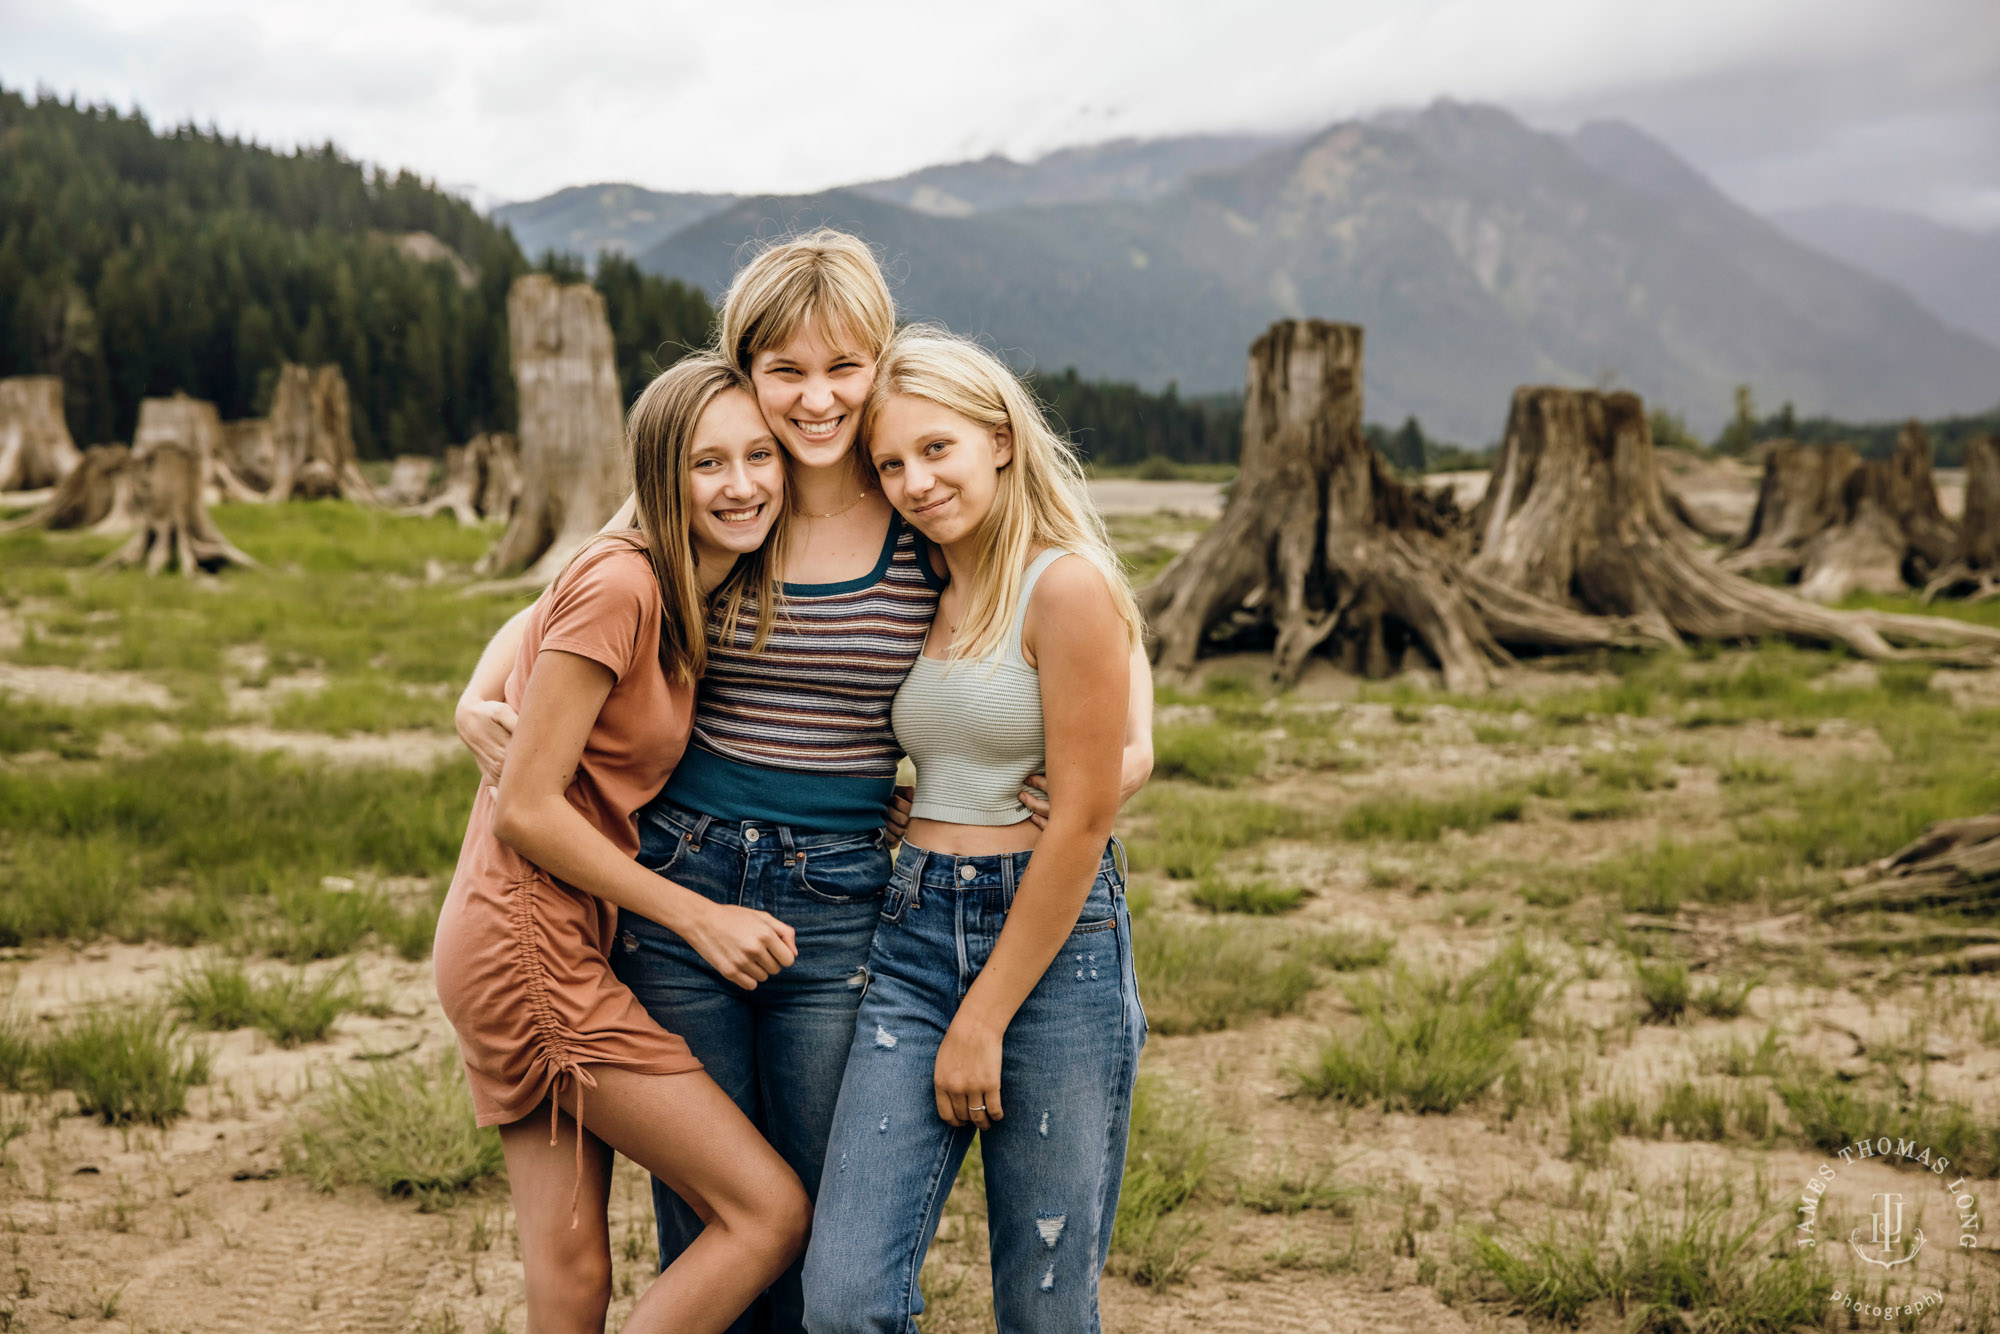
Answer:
(739, 516)
(817, 430)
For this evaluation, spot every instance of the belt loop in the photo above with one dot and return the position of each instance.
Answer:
(1118, 859)
(1006, 880)
(918, 857)
(700, 828)
(785, 842)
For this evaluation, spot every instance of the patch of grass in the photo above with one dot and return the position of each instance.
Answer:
(1829, 1115)
(1663, 987)
(215, 826)
(404, 1128)
(1212, 754)
(125, 1067)
(1170, 1157)
(1283, 1187)
(1428, 1044)
(368, 702)
(1201, 977)
(1259, 898)
(69, 732)
(1640, 770)
(1740, 770)
(1705, 1264)
(1347, 951)
(1424, 820)
(1723, 997)
(288, 1008)
(1189, 833)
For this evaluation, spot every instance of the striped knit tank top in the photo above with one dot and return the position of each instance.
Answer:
(973, 727)
(799, 734)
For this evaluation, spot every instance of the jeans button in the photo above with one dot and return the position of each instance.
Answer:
(967, 872)
(749, 836)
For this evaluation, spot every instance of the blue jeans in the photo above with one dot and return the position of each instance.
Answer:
(778, 1050)
(1055, 1160)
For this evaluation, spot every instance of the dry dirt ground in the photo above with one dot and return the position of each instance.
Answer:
(197, 1228)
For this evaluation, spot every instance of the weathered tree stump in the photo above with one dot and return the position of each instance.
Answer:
(312, 438)
(1321, 542)
(573, 469)
(482, 480)
(96, 494)
(35, 446)
(250, 451)
(170, 466)
(1971, 567)
(409, 480)
(1574, 515)
(1839, 523)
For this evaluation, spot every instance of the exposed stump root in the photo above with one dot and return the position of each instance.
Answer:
(1575, 515)
(1321, 544)
(1971, 567)
(97, 493)
(174, 524)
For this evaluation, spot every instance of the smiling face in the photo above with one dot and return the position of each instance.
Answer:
(941, 470)
(811, 390)
(736, 481)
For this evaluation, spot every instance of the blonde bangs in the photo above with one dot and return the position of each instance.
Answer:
(1043, 499)
(826, 278)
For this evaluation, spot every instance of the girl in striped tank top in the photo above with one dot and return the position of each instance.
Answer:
(780, 803)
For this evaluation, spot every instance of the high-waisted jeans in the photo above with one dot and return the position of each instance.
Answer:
(778, 1050)
(1053, 1163)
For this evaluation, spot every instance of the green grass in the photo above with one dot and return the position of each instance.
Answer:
(1190, 832)
(1663, 987)
(1703, 1264)
(125, 1067)
(1424, 820)
(288, 1008)
(1171, 1156)
(68, 732)
(1429, 1043)
(1346, 951)
(367, 702)
(1201, 977)
(1259, 898)
(404, 1128)
(214, 827)
(1211, 754)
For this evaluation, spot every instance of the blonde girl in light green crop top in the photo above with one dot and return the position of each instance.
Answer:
(1024, 671)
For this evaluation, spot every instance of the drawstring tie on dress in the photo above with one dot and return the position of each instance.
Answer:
(578, 1077)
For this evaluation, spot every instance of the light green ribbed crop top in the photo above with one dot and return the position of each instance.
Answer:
(973, 727)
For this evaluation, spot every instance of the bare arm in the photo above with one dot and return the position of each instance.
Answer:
(483, 718)
(1136, 765)
(532, 816)
(1078, 641)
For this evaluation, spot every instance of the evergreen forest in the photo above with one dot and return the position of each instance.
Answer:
(136, 263)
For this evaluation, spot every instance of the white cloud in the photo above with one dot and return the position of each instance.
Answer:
(1785, 101)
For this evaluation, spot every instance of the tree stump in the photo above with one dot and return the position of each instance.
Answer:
(35, 446)
(1971, 567)
(97, 494)
(1574, 515)
(1840, 523)
(482, 480)
(312, 438)
(1798, 499)
(1321, 542)
(170, 467)
(250, 451)
(409, 480)
(574, 472)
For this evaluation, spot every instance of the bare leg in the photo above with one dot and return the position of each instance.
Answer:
(569, 1269)
(686, 1131)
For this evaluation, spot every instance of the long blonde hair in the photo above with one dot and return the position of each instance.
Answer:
(1042, 501)
(824, 277)
(661, 428)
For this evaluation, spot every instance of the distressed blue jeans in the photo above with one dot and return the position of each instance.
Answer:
(778, 1050)
(1053, 1163)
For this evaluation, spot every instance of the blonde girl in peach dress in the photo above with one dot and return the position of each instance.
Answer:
(559, 1053)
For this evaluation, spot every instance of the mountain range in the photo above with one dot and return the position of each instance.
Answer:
(1479, 254)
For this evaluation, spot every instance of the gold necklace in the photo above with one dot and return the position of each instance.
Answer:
(835, 514)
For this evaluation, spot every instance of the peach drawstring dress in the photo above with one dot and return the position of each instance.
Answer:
(522, 960)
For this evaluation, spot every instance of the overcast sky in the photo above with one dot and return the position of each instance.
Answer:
(1782, 102)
